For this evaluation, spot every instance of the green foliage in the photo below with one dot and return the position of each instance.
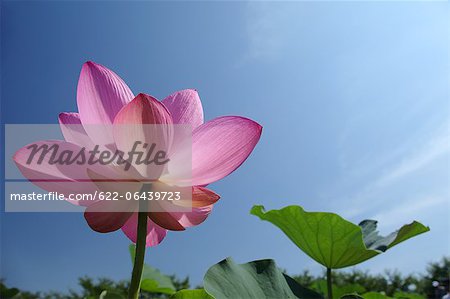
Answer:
(6, 292)
(404, 295)
(179, 284)
(439, 272)
(110, 295)
(320, 286)
(191, 294)
(153, 280)
(391, 283)
(375, 295)
(94, 289)
(351, 296)
(257, 279)
(382, 295)
(331, 240)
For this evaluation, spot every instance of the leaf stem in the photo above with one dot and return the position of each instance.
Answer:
(139, 256)
(329, 284)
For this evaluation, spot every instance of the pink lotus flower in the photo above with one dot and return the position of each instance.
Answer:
(219, 147)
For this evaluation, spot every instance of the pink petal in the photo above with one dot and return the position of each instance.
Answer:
(64, 179)
(107, 216)
(117, 185)
(100, 96)
(165, 219)
(201, 197)
(73, 130)
(193, 218)
(169, 217)
(144, 120)
(185, 107)
(143, 109)
(155, 233)
(220, 146)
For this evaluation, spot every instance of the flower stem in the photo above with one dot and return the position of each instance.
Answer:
(139, 256)
(329, 284)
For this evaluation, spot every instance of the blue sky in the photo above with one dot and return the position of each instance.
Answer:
(353, 97)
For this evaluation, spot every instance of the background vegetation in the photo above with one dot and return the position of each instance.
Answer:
(432, 284)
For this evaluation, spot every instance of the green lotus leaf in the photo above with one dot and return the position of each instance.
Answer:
(340, 291)
(331, 240)
(191, 294)
(253, 280)
(405, 295)
(375, 295)
(152, 279)
(351, 296)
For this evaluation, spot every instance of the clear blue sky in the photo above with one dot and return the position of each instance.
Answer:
(353, 97)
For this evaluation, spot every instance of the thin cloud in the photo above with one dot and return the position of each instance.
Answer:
(369, 197)
(406, 211)
(266, 28)
(433, 150)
